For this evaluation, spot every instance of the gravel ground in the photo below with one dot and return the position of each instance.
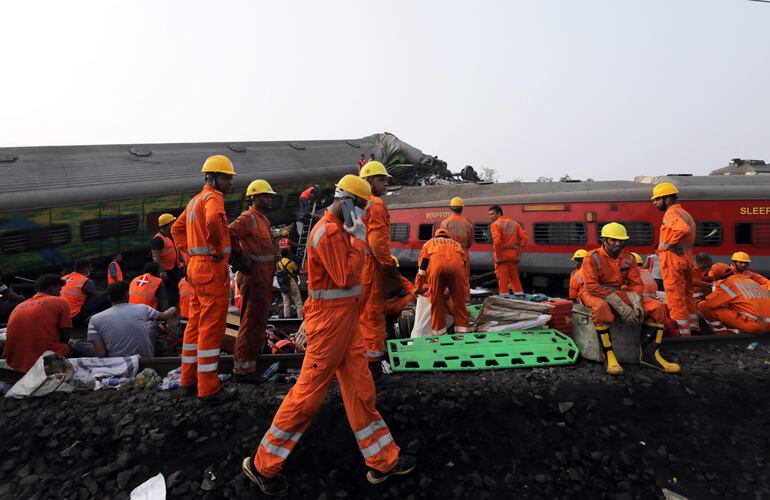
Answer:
(567, 432)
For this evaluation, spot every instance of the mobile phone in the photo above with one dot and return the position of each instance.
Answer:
(348, 209)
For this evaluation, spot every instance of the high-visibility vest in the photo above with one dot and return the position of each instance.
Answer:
(169, 255)
(747, 297)
(185, 292)
(284, 244)
(142, 290)
(72, 291)
(236, 290)
(118, 273)
(308, 193)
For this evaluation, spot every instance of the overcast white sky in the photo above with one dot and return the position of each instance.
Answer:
(595, 88)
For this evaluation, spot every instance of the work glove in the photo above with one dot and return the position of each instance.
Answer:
(625, 311)
(358, 229)
(636, 305)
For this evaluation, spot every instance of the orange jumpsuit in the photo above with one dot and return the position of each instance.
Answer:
(678, 232)
(748, 273)
(508, 239)
(461, 230)
(394, 306)
(604, 275)
(334, 347)
(701, 283)
(250, 235)
(575, 283)
(201, 232)
(185, 292)
(737, 302)
(372, 318)
(445, 275)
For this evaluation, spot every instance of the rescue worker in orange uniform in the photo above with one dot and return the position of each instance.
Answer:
(677, 235)
(306, 199)
(741, 261)
(201, 232)
(702, 283)
(378, 257)
(254, 251)
(114, 272)
(334, 348)
(406, 298)
(650, 286)
(80, 292)
(508, 241)
(737, 302)
(576, 277)
(165, 252)
(461, 230)
(613, 288)
(441, 273)
(148, 288)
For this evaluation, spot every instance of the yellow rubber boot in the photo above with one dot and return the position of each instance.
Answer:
(649, 349)
(610, 361)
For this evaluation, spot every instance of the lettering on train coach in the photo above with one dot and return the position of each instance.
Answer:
(755, 210)
(437, 215)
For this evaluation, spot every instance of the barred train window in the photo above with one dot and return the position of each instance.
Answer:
(28, 240)
(753, 233)
(481, 233)
(109, 227)
(399, 231)
(559, 233)
(426, 232)
(708, 234)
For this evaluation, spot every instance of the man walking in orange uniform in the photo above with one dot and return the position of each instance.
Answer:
(508, 240)
(677, 235)
(613, 287)
(737, 302)
(334, 347)
(442, 268)
(461, 230)
(377, 258)
(254, 250)
(201, 232)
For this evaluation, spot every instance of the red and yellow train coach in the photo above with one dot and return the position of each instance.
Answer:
(732, 214)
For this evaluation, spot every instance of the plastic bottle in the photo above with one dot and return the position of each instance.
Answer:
(752, 346)
(271, 371)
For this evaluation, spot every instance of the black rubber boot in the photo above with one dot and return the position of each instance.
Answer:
(611, 364)
(649, 349)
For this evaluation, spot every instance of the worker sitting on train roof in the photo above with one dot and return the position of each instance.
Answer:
(737, 302)
(125, 329)
(741, 261)
(508, 241)
(148, 288)
(114, 272)
(80, 291)
(650, 286)
(41, 323)
(613, 288)
(576, 277)
(166, 253)
(701, 282)
(441, 275)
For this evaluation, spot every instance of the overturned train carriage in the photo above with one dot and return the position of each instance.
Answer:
(60, 203)
(732, 214)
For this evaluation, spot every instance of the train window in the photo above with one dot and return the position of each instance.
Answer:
(233, 208)
(425, 232)
(28, 240)
(109, 227)
(708, 234)
(293, 200)
(151, 219)
(277, 203)
(399, 231)
(559, 233)
(481, 233)
(639, 233)
(753, 233)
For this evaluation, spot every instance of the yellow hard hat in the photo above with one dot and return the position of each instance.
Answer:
(259, 186)
(637, 257)
(355, 185)
(741, 257)
(220, 164)
(165, 219)
(579, 254)
(373, 168)
(663, 189)
(615, 231)
(284, 232)
(456, 202)
(395, 260)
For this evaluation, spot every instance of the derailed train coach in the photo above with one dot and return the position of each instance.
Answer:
(60, 203)
(732, 213)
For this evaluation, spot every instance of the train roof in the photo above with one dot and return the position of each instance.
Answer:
(640, 189)
(37, 177)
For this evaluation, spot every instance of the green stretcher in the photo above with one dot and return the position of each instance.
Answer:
(482, 351)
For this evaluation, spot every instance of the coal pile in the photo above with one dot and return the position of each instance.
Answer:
(569, 432)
